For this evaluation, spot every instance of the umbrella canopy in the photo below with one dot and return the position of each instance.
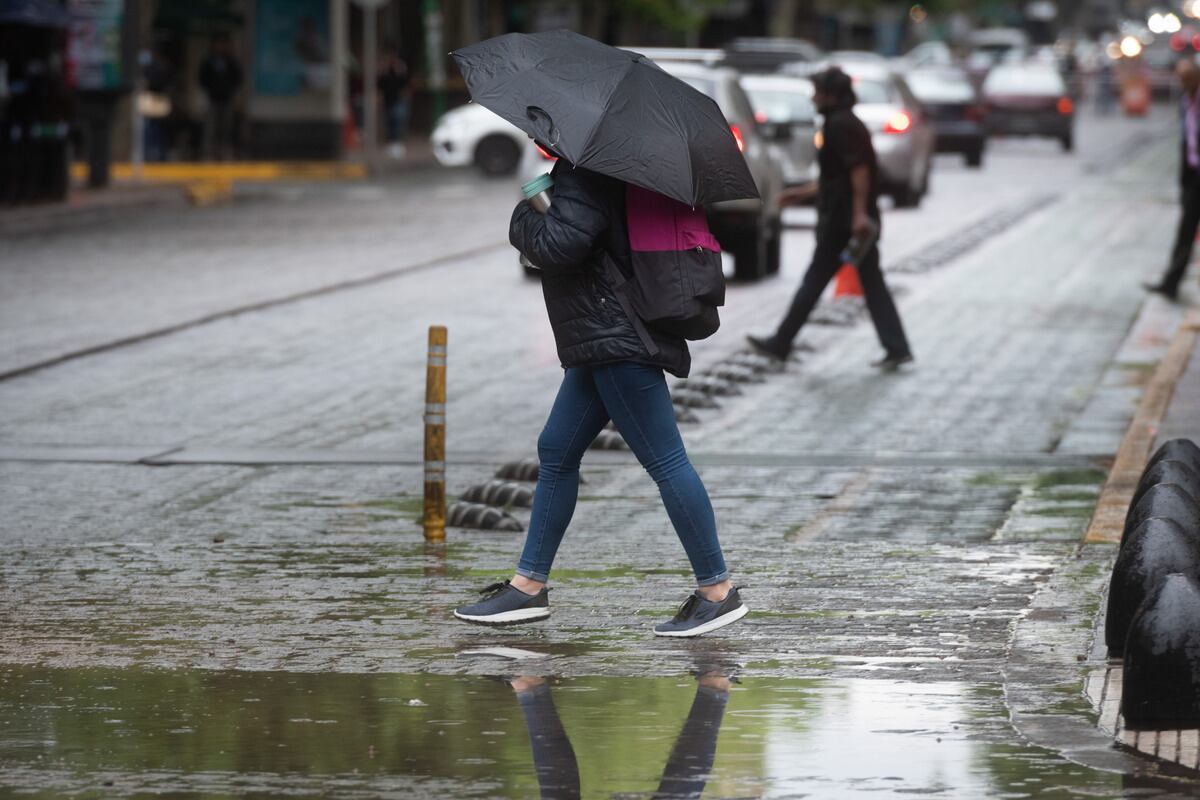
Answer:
(611, 111)
(34, 13)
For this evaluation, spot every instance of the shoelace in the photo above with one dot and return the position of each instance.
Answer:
(686, 606)
(494, 589)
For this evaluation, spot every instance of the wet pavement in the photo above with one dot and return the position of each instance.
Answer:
(264, 613)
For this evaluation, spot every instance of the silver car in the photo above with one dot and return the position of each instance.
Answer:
(903, 136)
(784, 109)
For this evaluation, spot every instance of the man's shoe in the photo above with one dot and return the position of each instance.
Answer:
(505, 604)
(698, 616)
(1158, 288)
(769, 347)
(892, 363)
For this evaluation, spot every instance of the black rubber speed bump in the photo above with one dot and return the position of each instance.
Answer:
(500, 493)
(708, 386)
(1184, 450)
(524, 470)
(692, 399)
(734, 374)
(1151, 551)
(1168, 470)
(477, 515)
(1164, 500)
(1161, 682)
(608, 440)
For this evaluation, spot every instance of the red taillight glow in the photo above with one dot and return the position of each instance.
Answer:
(737, 137)
(544, 153)
(761, 117)
(898, 123)
(1065, 106)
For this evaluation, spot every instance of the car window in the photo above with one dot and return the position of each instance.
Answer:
(772, 105)
(873, 91)
(940, 87)
(1023, 81)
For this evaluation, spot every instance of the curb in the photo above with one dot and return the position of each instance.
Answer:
(1108, 521)
(255, 171)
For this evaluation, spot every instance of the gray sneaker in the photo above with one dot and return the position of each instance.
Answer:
(698, 616)
(505, 604)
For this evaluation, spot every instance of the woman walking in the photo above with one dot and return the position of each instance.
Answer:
(610, 373)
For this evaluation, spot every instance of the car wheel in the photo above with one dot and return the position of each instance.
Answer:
(1068, 143)
(750, 256)
(975, 158)
(774, 247)
(906, 197)
(497, 155)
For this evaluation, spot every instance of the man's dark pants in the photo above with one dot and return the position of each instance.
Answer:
(827, 260)
(1185, 237)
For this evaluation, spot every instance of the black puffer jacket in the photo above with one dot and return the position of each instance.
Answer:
(585, 220)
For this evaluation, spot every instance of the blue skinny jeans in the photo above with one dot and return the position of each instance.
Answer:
(635, 397)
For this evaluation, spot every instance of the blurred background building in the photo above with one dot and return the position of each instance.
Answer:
(284, 79)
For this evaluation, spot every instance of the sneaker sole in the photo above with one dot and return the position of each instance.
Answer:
(514, 617)
(708, 627)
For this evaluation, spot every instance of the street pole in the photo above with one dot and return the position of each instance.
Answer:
(370, 73)
(435, 56)
(434, 518)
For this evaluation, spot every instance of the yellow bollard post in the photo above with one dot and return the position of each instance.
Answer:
(434, 519)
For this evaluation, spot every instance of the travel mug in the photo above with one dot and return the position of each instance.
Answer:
(537, 192)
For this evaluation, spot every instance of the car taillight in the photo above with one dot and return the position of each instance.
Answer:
(898, 123)
(1065, 106)
(737, 137)
(761, 117)
(544, 153)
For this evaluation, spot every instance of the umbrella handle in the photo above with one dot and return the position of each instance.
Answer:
(547, 131)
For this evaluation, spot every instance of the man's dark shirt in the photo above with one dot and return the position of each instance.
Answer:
(220, 77)
(392, 82)
(846, 145)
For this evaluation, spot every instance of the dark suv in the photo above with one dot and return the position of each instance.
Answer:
(750, 230)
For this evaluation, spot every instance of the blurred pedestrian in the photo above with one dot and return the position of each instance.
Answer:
(154, 102)
(847, 195)
(1189, 181)
(614, 371)
(396, 94)
(220, 78)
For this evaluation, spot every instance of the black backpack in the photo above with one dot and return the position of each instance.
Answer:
(677, 282)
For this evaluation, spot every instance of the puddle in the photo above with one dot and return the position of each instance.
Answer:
(196, 734)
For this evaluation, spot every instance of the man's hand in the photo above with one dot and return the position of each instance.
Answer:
(860, 225)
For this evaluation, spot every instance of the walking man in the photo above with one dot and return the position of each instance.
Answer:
(1189, 181)
(846, 206)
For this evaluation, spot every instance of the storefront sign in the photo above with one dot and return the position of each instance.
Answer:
(94, 47)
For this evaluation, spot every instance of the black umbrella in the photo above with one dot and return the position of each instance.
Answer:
(35, 13)
(612, 111)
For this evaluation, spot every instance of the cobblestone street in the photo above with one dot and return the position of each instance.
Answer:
(210, 447)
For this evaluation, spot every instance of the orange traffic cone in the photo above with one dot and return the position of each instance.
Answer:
(847, 283)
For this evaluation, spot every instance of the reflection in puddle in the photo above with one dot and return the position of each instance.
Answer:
(101, 733)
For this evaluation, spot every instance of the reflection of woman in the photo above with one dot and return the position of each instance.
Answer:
(553, 756)
(687, 769)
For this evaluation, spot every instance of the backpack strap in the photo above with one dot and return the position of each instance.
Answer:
(620, 285)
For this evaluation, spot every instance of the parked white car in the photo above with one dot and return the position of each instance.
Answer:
(471, 134)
